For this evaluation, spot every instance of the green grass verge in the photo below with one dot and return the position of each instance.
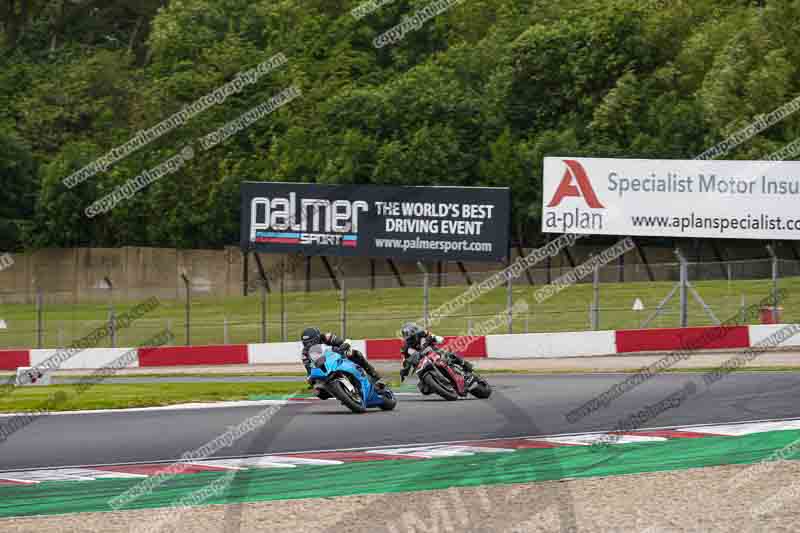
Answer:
(379, 313)
(119, 396)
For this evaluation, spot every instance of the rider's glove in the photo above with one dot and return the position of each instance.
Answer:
(345, 347)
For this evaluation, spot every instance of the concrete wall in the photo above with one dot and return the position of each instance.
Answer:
(76, 275)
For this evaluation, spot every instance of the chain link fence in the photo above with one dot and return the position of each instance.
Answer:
(616, 297)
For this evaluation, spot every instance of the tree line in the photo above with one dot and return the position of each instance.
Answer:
(477, 95)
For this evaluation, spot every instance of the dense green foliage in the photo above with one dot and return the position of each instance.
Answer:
(477, 96)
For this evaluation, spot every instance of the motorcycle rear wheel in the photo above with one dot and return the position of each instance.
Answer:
(446, 392)
(340, 392)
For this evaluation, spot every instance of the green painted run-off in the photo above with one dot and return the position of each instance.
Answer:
(404, 475)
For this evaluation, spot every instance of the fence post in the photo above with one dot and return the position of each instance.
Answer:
(263, 311)
(729, 295)
(426, 297)
(187, 284)
(283, 299)
(225, 330)
(596, 298)
(684, 283)
(344, 304)
(510, 302)
(111, 316)
(742, 311)
(774, 256)
(39, 318)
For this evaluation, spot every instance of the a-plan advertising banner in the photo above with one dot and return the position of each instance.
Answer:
(672, 198)
(428, 223)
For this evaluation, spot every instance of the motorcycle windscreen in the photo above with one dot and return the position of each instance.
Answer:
(316, 354)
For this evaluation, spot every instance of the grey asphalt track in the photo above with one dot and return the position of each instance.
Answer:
(518, 401)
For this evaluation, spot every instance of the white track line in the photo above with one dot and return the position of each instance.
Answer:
(176, 407)
(182, 407)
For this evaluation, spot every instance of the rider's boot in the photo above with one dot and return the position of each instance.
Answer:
(377, 380)
(469, 380)
(469, 376)
(360, 360)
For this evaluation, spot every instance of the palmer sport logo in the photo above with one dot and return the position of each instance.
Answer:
(574, 184)
(311, 221)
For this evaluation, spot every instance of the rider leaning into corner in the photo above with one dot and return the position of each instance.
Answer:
(312, 336)
(415, 340)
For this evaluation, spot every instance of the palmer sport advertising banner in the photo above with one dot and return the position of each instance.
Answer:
(429, 223)
(672, 198)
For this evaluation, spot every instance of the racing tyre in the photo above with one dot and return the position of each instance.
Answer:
(445, 391)
(351, 401)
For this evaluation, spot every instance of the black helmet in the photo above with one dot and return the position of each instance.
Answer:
(410, 330)
(310, 337)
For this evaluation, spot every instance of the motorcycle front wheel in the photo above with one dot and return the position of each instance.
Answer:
(350, 400)
(440, 386)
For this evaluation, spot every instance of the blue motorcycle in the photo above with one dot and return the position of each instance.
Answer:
(336, 376)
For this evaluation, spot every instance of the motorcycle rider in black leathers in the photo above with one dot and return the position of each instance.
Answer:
(312, 336)
(416, 339)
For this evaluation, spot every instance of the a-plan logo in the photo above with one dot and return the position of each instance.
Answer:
(577, 174)
(575, 184)
(312, 221)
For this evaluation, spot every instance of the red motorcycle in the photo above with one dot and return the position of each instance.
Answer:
(448, 381)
